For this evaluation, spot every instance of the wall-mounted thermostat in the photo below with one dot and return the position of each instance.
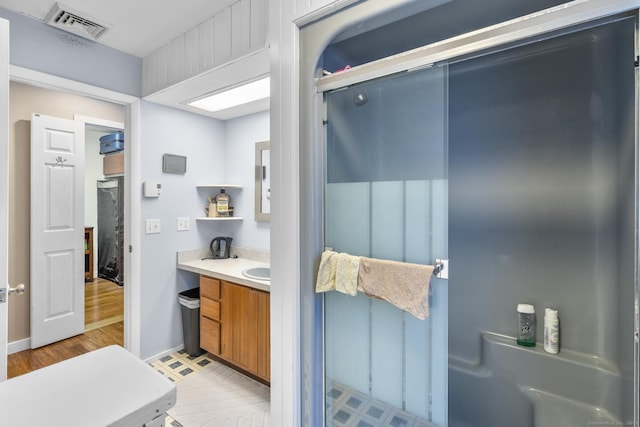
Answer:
(152, 189)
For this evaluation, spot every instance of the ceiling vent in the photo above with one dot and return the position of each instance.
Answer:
(67, 19)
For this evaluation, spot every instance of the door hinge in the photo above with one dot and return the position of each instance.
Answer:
(3, 294)
(130, 249)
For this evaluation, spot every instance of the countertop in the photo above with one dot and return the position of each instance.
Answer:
(229, 269)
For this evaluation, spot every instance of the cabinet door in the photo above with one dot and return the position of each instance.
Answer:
(244, 334)
(227, 316)
(264, 336)
(239, 320)
(240, 325)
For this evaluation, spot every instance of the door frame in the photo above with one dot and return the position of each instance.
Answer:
(132, 305)
(4, 193)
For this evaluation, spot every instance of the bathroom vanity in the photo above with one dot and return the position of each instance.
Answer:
(234, 324)
(234, 312)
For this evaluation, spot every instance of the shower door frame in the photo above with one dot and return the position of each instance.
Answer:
(313, 84)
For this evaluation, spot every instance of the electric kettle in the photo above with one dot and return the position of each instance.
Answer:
(220, 248)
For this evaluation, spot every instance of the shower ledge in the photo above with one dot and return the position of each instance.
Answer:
(566, 356)
(575, 376)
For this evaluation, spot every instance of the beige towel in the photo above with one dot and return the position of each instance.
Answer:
(347, 274)
(402, 284)
(338, 272)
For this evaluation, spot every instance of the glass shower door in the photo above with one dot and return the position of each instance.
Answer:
(386, 198)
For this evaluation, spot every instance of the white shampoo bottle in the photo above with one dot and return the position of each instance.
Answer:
(551, 331)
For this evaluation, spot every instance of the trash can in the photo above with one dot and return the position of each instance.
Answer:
(190, 307)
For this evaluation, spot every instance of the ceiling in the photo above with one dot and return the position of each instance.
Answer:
(138, 27)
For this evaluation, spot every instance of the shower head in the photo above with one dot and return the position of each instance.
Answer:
(360, 99)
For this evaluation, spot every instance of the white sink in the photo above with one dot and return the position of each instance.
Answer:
(258, 273)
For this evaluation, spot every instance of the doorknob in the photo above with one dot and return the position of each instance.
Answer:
(18, 290)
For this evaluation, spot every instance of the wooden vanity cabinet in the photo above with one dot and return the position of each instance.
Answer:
(210, 314)
(234, 325)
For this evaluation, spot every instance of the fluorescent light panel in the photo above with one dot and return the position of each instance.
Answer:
(254, 91)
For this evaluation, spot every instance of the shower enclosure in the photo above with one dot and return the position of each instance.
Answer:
(518, 161)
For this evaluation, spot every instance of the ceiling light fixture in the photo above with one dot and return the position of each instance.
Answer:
(239, 95)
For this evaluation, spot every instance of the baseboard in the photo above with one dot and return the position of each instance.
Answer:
(17, 346)
(163, 354)
(25, 344)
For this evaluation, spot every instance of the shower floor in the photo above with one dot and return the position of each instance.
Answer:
(347, 407)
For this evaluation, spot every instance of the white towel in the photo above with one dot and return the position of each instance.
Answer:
(338, 272)
(404, 285)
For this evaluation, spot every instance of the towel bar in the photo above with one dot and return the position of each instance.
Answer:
(441, 270)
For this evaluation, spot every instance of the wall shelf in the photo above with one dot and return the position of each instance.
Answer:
(220, 218)
(219, 186)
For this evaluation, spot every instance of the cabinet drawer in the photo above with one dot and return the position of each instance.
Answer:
(209, 287)
(210, 308)
(210, 335)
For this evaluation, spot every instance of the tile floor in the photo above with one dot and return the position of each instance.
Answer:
(179, 366)
(345, 407)
(350, 408)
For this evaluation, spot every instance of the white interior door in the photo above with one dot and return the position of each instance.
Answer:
(4, 188)
(57, 229)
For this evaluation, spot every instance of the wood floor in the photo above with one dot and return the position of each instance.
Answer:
(103, 303)
(104, 326)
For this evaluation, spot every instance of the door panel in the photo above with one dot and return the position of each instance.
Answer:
(4, 189)
(386, 198)
(57, 229)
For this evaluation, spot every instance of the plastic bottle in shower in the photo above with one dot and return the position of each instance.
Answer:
(551, 331)
(526, 325)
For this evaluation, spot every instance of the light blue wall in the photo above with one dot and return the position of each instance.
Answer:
(201, 140)
(40, 47)
(241, 134)
(217, 152)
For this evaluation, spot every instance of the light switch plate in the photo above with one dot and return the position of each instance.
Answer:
(152, 226)
(183, 223)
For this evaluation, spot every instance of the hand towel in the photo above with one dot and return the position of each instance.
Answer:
(338, 272)
(404, 285)
(347, 274)
(326, 279)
